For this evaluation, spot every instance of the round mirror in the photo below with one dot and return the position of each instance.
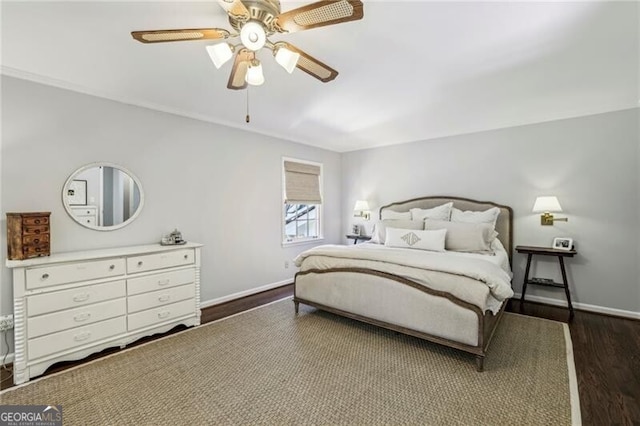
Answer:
(103, 196)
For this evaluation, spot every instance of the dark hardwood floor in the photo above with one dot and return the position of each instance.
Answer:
(606, 352)
(607, 356)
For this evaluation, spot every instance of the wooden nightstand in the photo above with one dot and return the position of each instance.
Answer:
(547, 251)
(357, 238)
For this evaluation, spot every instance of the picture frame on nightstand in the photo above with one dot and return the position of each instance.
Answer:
(562, 243)
(355, 230)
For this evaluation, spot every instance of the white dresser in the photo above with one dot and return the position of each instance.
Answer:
(86, 214)
(70, 305)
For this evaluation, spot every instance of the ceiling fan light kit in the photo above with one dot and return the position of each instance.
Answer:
(220, 53)
(255, 77)
(286, 58)
(255, 21)
(253, 36)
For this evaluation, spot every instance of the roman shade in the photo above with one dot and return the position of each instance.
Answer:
(302, 183)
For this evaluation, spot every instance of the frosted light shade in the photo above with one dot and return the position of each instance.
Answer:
(255, 77)
(547, 204)
(219, 53)
(361, 205)
(287, 59)
(252, 36)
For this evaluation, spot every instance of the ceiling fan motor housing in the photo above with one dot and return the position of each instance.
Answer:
(263, 11)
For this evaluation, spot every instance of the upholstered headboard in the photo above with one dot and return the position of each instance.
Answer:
(504, 225)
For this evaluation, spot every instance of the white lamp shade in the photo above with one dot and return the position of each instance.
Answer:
(547, 204)
(287, 59)
(253, 36)
(361, 206)
(219, 53)
(255, 77)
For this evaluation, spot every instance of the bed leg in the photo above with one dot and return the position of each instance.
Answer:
(296, 306)
(480, 363)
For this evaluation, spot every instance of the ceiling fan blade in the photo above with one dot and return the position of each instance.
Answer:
(319, 14)
(239, 72)
(311, 65)
(161, 36)
(235, 9)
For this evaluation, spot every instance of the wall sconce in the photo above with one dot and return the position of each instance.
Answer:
(547, 205)
(361, 209)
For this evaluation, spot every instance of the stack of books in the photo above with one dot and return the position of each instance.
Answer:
(541, 281)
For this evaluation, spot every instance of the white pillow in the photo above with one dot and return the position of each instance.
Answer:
(442, 212)
(380, 229)
(394, 215)
(415, 239)
(487, 216)
(465, 237)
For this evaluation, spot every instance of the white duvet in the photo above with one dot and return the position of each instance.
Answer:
(476, 279)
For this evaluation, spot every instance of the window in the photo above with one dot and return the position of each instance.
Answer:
(302, 201)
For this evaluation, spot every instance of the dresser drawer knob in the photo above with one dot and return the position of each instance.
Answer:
(164, 298)
(82, 336)
(186, 256)
(82, 317)
(112, 267)
(36, 240)
(37, 221)
(45, 276)
(82, 297)
(164, 314)
(140, 263)
(37, 231)
(164, 282)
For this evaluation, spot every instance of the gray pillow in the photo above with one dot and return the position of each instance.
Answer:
(465, 237)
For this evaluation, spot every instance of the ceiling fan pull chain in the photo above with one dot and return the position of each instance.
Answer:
(248, 119)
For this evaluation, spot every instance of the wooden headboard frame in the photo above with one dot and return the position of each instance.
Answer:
(504, 225)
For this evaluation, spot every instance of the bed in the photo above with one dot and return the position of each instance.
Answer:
(452, 299)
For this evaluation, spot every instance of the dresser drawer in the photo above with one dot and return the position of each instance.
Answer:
(35, 239)
(140, 302)
(160, 260)
(70, 318)
(85, 211)
(57, 342)
(72, 298)
(73, 272)
(160, 281)
(88, 220)
(35, 220)
(35, 250)
(161, 314)
(35, 229)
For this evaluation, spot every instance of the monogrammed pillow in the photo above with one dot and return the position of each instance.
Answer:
(416, 239)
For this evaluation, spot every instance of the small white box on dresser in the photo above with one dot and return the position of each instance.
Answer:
(70, 305)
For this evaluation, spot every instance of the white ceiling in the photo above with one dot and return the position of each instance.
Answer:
(408, 71)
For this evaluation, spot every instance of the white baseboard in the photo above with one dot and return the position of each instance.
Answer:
(582, 306)
(223, 299)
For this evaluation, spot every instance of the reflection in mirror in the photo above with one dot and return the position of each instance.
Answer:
(103, 196)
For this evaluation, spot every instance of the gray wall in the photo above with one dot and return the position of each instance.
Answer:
(589, 163)
(220, 186)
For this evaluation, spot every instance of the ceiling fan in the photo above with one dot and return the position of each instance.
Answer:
(254, 21)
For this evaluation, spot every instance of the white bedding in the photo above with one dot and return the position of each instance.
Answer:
(481, 280)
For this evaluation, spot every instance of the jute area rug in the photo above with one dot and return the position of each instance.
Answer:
(268, 366)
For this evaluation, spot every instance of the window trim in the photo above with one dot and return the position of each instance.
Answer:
(320, 208)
